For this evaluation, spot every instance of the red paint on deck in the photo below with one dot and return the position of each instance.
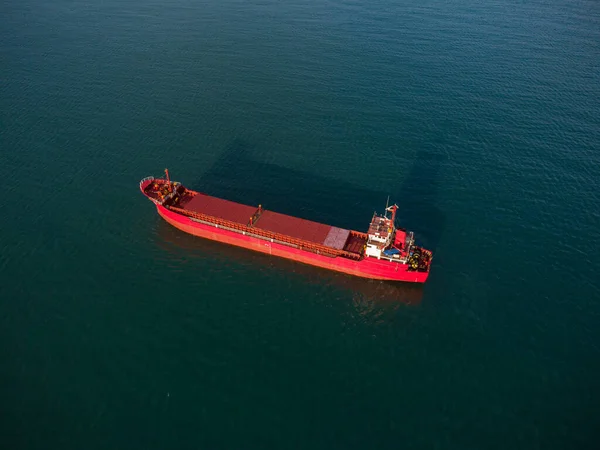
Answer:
(293, 226)
(217, 207)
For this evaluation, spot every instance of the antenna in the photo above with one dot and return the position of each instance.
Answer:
(386, 207)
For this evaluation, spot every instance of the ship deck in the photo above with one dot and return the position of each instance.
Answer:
(217, 207)
(355, 243)
(295, 227)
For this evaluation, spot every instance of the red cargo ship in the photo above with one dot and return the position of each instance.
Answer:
(384, 252)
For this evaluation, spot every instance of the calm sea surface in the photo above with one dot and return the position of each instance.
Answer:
(481, 120)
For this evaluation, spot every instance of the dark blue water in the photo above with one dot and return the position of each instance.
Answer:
(480, 119)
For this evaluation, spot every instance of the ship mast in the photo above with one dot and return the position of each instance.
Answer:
(393, 209)
(168, 179)
(387, 202)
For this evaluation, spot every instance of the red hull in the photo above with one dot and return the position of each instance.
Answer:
(385, 253)
(367, 268)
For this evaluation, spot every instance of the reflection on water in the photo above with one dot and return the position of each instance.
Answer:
(365, 293)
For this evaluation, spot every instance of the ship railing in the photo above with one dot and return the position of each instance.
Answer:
(359, 234)
(396, 260)
(268, 235)
(144, 180)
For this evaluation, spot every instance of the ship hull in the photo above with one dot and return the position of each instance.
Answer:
(371, 268)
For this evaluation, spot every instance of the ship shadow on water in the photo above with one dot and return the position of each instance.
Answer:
(237, 176)
(362, 291)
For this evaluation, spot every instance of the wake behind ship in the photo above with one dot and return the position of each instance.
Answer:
(384, 252)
